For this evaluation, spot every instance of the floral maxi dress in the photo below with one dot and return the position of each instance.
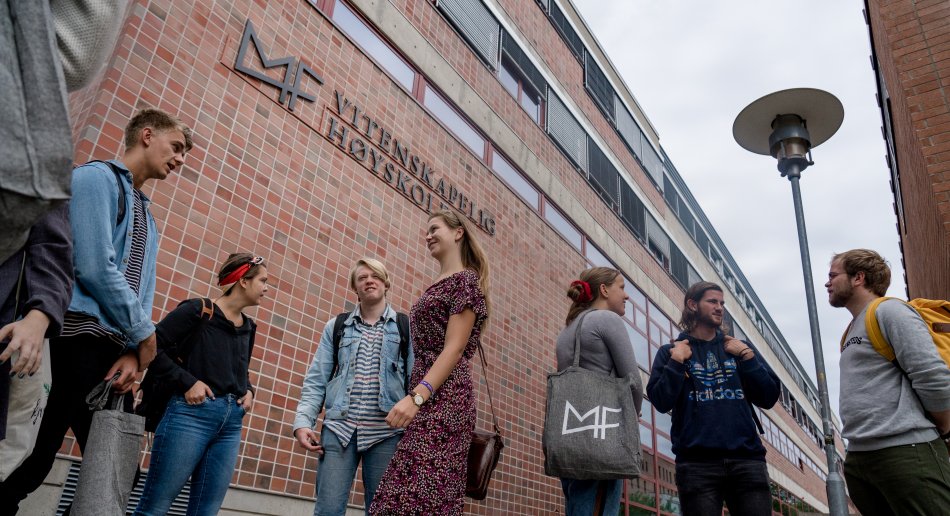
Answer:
(426, 475)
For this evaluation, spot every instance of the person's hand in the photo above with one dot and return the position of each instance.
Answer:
(402, 413)
(146, 351)
(26, 341)
(127, 366)
(198, 393)
(737, 348)
(681, 351)
(308, 439)
(246, 401)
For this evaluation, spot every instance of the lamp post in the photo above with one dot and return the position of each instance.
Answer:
(786, 125)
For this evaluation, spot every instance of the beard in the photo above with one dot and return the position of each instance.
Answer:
(708, 319)
(840, 296)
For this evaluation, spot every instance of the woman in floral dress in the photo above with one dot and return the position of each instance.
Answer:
(426, 476)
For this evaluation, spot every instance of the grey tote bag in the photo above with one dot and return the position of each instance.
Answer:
(111, 456)
(591, 427)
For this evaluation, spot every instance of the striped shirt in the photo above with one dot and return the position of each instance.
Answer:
(363, 415)
(77, 323)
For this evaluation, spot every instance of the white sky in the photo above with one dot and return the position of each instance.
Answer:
(693, 66)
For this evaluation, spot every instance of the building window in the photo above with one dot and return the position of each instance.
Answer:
(595, 257)
(565, 228)
(373, 45)
(453, 121)
(515, 83)
(476, 25)
(517, 68)
(566, 131)
(597, 84)
(515, 180)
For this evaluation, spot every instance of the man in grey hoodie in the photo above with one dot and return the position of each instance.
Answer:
(896, 415)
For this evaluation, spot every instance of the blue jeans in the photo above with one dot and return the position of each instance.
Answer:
(742, 484)
(580, 496)
(338, 467)
(200, 441)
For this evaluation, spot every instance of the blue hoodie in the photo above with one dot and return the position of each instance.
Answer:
(709, 395)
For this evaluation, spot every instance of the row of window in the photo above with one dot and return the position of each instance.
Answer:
(476, 25)
(791, 451)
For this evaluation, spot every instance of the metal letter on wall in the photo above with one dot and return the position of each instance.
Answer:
(290, 87)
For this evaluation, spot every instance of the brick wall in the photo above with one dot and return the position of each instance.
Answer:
(912, 41)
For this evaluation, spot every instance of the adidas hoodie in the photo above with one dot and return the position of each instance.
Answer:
(709, 395)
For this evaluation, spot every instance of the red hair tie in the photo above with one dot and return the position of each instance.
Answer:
(586, 296)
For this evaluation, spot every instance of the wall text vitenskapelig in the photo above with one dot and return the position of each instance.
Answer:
(386, 155)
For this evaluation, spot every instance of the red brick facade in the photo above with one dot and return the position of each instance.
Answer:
(911, 42)
(291, 186)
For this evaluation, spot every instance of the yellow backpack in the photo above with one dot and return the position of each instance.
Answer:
(934, 312)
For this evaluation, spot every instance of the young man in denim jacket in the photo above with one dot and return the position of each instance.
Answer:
(358, 387)
(107, 329)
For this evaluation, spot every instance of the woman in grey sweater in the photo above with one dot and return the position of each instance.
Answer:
(605, 347)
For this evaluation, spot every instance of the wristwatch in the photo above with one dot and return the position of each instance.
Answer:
(417, 398)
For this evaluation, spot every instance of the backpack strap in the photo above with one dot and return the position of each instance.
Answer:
(337, 336)
(402, 321)
(878, 341)
(183, 348)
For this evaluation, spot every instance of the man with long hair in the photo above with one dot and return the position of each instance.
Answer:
(710, 381)
(895, 414)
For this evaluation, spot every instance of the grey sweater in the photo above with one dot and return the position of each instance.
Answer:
(605, 347)
(880, 405)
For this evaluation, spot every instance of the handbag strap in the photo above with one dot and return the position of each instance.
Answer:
(577, 338)
(491, 404)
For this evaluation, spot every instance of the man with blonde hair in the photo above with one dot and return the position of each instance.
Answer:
(896, 415)
(361, 369)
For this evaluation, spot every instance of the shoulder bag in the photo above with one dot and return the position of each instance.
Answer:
(485, 450)
(591, 427)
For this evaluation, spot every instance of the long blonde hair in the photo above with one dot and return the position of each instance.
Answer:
(473, 256)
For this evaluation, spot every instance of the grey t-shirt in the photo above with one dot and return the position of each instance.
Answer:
(880, 405)
(605, 347)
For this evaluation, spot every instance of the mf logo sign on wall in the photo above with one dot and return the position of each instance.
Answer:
(598, 414)
(295, 70)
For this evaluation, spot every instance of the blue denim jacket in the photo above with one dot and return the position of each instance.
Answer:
(317, 392)
(101, 250)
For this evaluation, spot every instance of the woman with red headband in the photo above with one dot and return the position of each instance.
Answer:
(200, 433)
(599, 301)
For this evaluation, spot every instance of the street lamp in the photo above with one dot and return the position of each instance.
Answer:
(787, 125)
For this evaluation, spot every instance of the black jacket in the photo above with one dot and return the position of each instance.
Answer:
(218, 356)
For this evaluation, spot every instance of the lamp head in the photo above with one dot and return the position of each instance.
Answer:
(788, 124)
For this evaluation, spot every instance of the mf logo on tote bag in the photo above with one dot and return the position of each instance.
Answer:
(600, 425)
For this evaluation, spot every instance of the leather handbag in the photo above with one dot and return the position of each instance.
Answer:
(591, 428)
(485, 450)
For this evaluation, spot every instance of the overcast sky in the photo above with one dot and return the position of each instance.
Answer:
(693, 66)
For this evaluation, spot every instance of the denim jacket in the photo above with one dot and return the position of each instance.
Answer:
(101, 250)
(334, 394)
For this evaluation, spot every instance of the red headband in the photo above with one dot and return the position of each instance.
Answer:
(235, 275)
(586, 296)
(239, 273)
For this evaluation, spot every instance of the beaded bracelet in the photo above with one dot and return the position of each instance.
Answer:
(742, 354)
